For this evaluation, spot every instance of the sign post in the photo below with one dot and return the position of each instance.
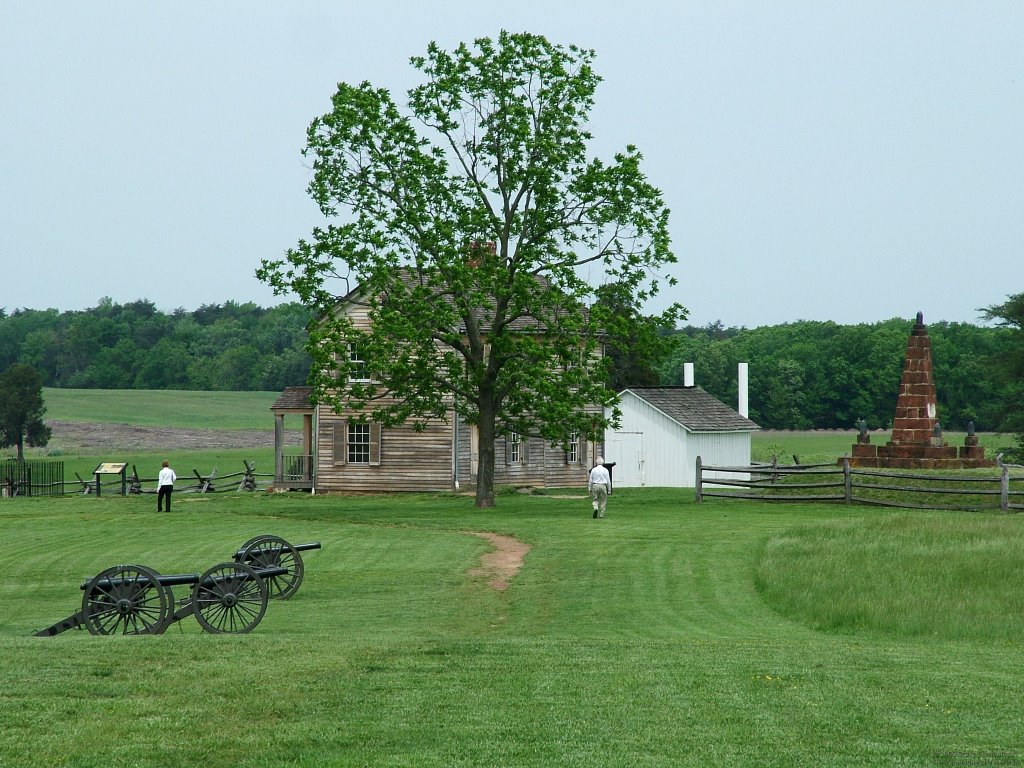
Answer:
(110, 468)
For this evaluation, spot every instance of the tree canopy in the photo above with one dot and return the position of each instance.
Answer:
(22, 409)
(820, 375)
(478, 231)
(230, 346)
(1010, 364)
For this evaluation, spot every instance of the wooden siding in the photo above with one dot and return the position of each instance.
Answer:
(408, 460)
(544, 467)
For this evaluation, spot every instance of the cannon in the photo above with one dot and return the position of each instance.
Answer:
(135, 600)
(266, 552)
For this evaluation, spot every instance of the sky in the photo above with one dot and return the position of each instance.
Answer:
(849, 161)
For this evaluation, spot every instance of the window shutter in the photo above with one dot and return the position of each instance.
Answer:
(508, 449)
(525, 449)
(340, 442)
(375, 444)
(583, 451)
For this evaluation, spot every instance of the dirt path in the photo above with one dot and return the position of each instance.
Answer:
(503, 562)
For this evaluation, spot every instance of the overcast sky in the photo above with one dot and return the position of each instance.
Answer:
(847, 161)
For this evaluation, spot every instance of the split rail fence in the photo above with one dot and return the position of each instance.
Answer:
(49, 481)
(1002, 491)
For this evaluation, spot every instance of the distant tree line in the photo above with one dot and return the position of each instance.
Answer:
(820, 375)
(803, 375)
(228, 346)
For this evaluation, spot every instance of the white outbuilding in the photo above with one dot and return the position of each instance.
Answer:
(664, 429)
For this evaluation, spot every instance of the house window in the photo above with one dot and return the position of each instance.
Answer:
(572, 456)
(358, 443)
(515, 446)
(356, 364)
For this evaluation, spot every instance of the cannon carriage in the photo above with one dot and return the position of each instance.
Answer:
(230, 597)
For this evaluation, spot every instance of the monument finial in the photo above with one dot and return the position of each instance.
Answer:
(920, 318)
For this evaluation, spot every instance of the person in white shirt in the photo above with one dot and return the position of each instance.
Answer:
(599, 485)
(164, 486)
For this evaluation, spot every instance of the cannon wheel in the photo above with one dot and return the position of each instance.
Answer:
(275, 552)
(229, 598)
(126, 600)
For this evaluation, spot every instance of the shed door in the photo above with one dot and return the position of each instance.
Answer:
(626, 449)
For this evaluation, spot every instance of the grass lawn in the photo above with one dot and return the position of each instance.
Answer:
(725, 634)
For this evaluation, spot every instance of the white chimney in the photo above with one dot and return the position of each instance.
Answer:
(741, 381)
(687, 374)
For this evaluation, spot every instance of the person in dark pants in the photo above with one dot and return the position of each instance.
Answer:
(164, 486)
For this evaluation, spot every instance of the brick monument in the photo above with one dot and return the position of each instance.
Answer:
(916, 434)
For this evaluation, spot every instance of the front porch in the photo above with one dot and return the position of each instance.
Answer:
(294, 471)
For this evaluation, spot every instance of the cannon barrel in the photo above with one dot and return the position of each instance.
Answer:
(177, 579)
(297, 547)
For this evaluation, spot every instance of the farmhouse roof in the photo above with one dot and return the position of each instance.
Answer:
(693, 408)
(294, 399)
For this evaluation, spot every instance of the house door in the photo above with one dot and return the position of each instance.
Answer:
(474, 451)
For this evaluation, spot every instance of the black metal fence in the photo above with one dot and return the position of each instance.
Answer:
(1002, 490)
(32, 477)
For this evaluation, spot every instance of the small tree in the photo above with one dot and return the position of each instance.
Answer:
(22, 409)
(1010, 366)
(477, 231)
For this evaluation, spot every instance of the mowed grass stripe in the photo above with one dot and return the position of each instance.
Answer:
(391, 654)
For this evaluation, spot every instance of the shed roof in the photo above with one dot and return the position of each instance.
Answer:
(694, 409)
(294, 399)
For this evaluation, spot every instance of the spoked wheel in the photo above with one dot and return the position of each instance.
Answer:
(126, 600)
(274, 552)
(229, 598)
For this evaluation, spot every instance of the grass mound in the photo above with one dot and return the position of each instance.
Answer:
(906, 575)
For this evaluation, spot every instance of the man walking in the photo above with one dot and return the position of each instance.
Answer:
(599, 484)
(164, 486)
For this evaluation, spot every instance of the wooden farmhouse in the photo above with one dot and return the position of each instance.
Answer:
(344, 455)
(664, 429)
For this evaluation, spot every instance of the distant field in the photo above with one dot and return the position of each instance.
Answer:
(826, 446)
(162, 408)
(237, 411)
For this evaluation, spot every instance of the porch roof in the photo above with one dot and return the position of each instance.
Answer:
(294, 399)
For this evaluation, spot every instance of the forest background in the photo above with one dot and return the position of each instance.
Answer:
(803, 375)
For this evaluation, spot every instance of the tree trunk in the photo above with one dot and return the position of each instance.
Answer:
(485, 463)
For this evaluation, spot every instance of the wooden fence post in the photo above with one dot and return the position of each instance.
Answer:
(697, 487)
(847, 482)
(1004, 489)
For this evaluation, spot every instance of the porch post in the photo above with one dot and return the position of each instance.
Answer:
(307, 446)
(278, 447)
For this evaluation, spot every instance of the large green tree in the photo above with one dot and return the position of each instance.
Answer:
(22, 409)
(477, 229)
(1010, 364)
